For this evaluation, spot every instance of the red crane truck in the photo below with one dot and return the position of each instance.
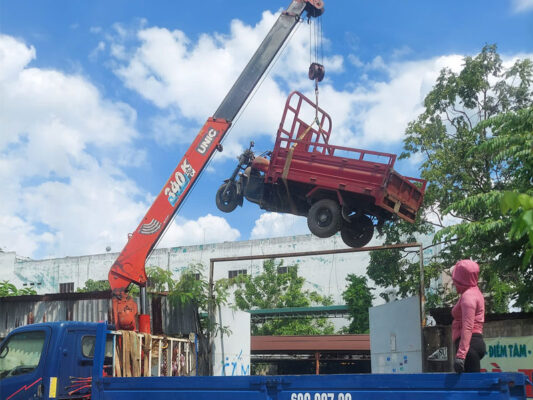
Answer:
(77, 360)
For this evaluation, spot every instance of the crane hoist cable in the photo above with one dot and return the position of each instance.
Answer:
(316, 74)
(243, 109)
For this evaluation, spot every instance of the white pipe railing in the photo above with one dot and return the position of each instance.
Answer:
(181, 352)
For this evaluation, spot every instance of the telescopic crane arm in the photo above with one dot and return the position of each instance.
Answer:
(129, 267)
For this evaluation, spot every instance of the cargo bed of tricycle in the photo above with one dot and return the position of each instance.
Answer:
(302, 154)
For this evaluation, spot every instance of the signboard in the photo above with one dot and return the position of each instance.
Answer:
(510, 354)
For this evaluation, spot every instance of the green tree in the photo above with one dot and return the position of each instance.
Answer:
(8, 289)
(522, 205)
(358, 298)
(159, 280)
(94, 286)
(192, 287)
(275, 289)
(468, 120)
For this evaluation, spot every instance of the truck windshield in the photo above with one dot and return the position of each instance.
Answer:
(21, 353)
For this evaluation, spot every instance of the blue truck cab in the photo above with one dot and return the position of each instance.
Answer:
(38, 361)
(66, 360)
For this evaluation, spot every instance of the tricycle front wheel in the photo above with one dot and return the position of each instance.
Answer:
(227, 199)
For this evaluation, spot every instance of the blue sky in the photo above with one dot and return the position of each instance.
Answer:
(99, 100)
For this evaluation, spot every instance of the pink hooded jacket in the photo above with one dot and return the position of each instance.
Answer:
(469, 312)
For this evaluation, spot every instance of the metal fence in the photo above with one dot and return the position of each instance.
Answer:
(90, 307)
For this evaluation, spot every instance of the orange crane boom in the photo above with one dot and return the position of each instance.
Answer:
(129, 267)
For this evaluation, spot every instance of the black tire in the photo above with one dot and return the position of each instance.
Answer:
(228, 201)
(358, 232)
(324, 218)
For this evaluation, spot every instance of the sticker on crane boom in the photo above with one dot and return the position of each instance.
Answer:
(180, 182)
(207, 140)
(151, 228)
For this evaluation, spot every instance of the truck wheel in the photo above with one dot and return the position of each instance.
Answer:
(358, 232)
(228, 201)
(324, 218)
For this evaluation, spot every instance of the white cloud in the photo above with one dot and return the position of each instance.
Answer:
(356, 61)
(14, 55)
(168, 130)
(91, 211)
(520, 6)
(434, 217)
(387, 107)
(62, 144)
(61, 149)
(100, 47)
(206, 229)
(21, 237)
(276, 225)
(171, 71)
(187, 79)
(174, 72)
(401, 52)
(377, 64)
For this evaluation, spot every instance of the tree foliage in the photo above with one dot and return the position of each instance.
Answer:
(358, 298)
(158, 279)
(192, 287)
(272, 289)
(522, 205)
(8, 289)
(94, 286)
(475, 137)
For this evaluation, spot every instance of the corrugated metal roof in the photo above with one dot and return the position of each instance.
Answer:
(291, 312)
(310, 343)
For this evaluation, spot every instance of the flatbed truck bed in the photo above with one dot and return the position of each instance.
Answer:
(51, 355)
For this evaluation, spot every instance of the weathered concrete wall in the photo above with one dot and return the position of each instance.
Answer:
(325, 274)
(231, 349)
(8, 262)
(509, 328)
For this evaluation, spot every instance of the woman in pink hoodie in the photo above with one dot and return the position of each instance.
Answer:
(468, 318)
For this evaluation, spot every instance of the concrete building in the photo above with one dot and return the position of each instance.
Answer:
(325, 274)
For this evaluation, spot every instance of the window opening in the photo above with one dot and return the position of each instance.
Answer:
(21, 353)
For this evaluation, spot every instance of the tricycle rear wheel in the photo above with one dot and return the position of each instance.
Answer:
(227, 199)
(324, 218)
(358, 232)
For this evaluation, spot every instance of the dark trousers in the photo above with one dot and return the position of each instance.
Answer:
(475, 353)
